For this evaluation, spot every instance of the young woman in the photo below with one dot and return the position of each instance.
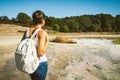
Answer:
(41, 41)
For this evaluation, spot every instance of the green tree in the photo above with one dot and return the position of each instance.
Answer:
(56, 27)
(99, 22)
(106, 22)
(64, 28)
(4, 18)
(85, 23)
(96, 28)
(74, 26)
(96, 24)
(117, 23)
(24, 18)
(50, 22)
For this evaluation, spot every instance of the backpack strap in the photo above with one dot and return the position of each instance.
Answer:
(35, 32)
(27, 33)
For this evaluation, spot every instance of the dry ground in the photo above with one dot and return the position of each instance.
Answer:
(66, 61)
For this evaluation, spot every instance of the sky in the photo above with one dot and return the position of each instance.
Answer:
(59, 8)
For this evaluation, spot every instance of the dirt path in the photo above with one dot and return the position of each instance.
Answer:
(8, 44)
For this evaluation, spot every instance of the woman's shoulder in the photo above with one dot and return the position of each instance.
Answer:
(32, 28)
(42, 33)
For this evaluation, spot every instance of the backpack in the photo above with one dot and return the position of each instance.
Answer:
(26, 54)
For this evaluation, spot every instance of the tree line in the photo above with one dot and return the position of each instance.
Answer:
(83, 23)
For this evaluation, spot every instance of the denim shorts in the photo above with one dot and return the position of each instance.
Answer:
(41, 72)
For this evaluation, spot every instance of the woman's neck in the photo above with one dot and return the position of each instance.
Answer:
(38, 26)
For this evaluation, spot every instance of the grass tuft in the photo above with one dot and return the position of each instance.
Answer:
(62, 39)
(116, 41)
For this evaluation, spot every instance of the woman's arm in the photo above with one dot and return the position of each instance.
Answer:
(43, 40)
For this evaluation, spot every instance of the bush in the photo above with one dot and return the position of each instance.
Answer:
(116, 41)
(62, 39)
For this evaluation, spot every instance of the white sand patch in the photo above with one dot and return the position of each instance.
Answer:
(93, 41)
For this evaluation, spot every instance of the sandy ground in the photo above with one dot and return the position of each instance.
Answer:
(66, 61)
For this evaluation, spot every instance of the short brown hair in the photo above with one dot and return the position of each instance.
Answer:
(38, 16)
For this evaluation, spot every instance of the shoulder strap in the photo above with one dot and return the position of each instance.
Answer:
(35, 32)
(27, 32)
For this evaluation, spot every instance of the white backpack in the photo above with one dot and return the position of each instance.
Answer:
(26, 54)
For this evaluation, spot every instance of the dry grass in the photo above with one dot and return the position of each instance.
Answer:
(116, 41)
(11, 29)
(62, 39)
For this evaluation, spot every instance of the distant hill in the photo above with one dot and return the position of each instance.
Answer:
(11, 29)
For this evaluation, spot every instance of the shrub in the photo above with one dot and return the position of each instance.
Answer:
(62, 39)
(116, 41)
